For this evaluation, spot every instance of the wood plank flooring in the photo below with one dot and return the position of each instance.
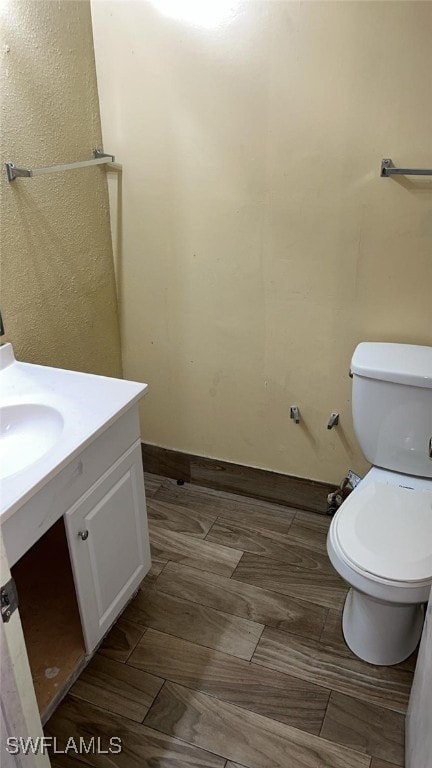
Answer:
(231, 653)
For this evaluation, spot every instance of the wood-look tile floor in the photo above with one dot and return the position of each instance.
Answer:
(231, 654)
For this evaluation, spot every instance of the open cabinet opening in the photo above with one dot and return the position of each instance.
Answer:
(49, 615)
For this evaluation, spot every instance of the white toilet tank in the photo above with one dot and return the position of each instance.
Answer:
(392, 406)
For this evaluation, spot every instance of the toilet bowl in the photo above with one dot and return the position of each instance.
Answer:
(380, 542)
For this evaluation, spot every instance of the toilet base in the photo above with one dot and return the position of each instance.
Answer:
(378, 632)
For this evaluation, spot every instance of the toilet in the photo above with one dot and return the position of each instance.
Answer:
(380, 539)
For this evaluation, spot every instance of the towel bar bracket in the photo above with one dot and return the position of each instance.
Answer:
(13, 172)
(98, 152)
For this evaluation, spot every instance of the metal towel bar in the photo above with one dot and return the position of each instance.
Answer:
(388, 169)
(100, 157)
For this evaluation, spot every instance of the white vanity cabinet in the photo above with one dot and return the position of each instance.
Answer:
(72, 512)
(108, 543)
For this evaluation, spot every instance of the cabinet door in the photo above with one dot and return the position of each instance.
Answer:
(19, 713)
(109, 544)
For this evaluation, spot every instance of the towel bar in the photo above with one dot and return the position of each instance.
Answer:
(100, 157)
(388, 169)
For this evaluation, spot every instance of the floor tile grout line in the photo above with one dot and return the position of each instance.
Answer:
(163, 591)
(141, 722)
(340, 690)
(308, 551)
(194, 539)
(211, 528)
(277, 592)
(325, 646)
(99, 706)
(159, 574)
(156, 524)
(203, 570)
(217, 698)
(183, 511)
(331, 647)
(105, 652)
(154, 698)
(297, 570)
(334, 692)
(237, 706)
(250, 661)
(138, 641)
(150, 495)
(296, 677)
(224, 519)
(276, 560)
(300, 568)
(179, 738)
(256, 644)
(211, 608)
(338, 610)
(324, 624)
(110, 711)
(325, 712)
(247, 584)
(209, 648)
(252, 712)
(341, 744)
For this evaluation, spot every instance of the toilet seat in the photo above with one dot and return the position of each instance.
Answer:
(385, 532)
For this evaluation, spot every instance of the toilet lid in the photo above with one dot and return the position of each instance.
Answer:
(386, 530)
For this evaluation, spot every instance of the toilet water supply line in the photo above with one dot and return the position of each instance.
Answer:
(347, 485)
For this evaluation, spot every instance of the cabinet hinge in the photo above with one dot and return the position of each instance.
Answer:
(8, 599)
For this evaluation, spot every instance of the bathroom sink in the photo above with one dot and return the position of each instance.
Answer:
(27, 432)
(48, 416)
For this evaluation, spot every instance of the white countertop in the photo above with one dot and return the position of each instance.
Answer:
(87, 404)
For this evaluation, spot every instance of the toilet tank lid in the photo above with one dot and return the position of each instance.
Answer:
(407, 364)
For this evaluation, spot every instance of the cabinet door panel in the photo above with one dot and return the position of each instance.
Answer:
(114, 542)
(108, 540)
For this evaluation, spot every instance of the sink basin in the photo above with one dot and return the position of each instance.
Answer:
(27, 432)
(48, 416)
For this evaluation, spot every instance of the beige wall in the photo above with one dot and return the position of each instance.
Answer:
(57, 284)
(259, 243)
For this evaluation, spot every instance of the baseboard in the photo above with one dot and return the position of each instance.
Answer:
(298, 492)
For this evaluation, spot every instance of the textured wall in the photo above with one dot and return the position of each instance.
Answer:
(57, 282)
(260, 244)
